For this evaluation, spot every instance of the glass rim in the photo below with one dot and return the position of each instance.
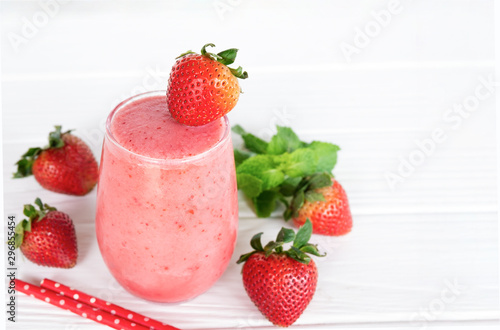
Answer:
(109, 135)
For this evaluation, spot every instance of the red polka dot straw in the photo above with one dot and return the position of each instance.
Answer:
(68, 302)
(104, 305)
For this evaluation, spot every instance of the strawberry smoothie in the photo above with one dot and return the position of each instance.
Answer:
(167, 210)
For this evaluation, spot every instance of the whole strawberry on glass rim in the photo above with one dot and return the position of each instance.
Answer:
(47, 237)
(281, 283)
(66, 165)
(202, 88)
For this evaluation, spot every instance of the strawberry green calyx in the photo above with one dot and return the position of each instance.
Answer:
(239, 73)
(298, 251)
(25, 164)
(303, 191)
(55, 138)
(185, 53)
(225, 57)
(33, 215)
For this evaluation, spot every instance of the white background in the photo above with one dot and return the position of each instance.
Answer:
(411, 63)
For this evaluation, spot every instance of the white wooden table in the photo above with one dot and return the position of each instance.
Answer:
(424, 249)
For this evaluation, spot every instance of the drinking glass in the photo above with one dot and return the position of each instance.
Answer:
(166, 226)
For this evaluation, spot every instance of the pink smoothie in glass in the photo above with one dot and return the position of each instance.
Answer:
(167, 209)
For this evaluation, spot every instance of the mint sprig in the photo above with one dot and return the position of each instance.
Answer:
(284, 170)
(300, 245)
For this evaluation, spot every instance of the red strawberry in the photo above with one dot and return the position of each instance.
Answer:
(330, 215)
(48, 237)
(66, 165)
(281, 283)
(201, 88)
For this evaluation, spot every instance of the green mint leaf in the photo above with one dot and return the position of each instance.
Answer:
(272, 178)
(265, 203)
(301, 162)
(249, 184)
(256, 243)
(264, 168)
(252, 142)
(238, 130)
(228, 56)
(255, 144)
(326, 155)
(285, 235)
(256, 165)
(285, 140)
(303, 235)
(240, 156)
(312, 197)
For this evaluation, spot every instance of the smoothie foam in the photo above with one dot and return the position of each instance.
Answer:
(146, 127)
